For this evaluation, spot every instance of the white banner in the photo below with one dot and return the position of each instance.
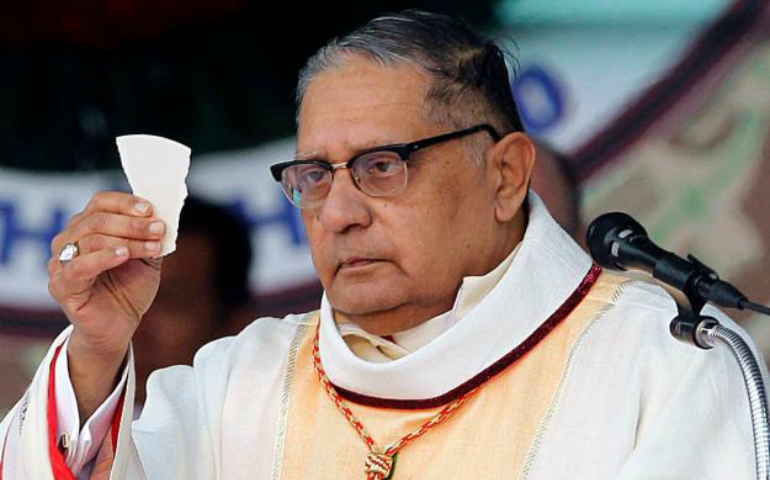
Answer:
(35, 206)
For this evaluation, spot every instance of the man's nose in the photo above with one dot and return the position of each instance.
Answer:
(345, 207)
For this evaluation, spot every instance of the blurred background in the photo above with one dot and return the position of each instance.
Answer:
(658, 108)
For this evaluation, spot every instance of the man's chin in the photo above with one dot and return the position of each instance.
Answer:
(363, 300)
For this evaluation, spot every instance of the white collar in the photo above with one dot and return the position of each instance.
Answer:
(547, 268)
(471, 292)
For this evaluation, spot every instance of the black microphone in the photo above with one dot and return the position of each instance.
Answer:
(618, 242)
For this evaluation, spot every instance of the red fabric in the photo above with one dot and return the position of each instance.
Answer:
(58, 466)
(60, 469)
(115, 423)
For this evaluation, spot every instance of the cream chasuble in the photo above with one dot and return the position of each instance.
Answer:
(604, 393)
(487, 438)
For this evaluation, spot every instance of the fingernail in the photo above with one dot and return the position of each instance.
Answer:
(156, 227)
(151, 246)
(141, 207)
(121, 251)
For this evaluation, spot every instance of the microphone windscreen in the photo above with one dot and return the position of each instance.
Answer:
(604, 231)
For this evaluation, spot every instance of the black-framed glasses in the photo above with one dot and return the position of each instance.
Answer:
(377, 172)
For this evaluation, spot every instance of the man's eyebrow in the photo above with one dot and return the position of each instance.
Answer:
(317, 154)
(307, 155)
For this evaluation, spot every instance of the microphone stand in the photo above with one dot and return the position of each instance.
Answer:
(618, 242)
(706, 333)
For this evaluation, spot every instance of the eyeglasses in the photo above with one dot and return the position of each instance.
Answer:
(377, 172)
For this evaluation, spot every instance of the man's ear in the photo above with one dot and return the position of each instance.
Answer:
(511, 161)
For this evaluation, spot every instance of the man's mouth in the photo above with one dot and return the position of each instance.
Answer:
(356, 262)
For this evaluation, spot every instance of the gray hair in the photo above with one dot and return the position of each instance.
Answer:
(469, 75)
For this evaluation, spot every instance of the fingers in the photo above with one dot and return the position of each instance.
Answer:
(113, 202)
(117, 225)
(118, 202)
(113, 228)
(136, 248)
(111, 220)
(86, 267)
(106, 202)
(78, 275)
(109, 224)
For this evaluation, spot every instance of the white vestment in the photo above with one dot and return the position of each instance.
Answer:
(633, 403)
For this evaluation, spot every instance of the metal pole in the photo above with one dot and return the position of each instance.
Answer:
(711, 333)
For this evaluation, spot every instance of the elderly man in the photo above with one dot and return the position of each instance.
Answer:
(462, 334)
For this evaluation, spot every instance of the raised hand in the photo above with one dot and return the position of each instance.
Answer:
(106, 288)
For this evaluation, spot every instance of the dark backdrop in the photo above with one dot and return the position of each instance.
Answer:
(214, 74)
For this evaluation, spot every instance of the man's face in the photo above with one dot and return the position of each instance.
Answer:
(389, 263)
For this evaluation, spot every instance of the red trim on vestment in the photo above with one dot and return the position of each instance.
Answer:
(115, 428)
(507, 360)
(59, 468)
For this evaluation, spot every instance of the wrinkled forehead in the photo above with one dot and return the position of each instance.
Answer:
(361, 105)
